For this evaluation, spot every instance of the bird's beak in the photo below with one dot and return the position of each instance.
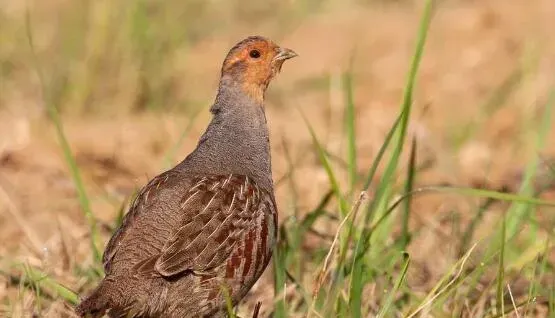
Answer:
(284, 54)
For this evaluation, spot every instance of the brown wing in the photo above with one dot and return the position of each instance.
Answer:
(217, 213)
(151, 190)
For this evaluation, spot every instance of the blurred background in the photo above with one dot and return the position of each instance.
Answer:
(133, 81)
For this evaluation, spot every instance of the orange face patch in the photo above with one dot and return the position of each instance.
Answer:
(253, 64)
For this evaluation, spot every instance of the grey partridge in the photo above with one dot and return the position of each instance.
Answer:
(207, 227)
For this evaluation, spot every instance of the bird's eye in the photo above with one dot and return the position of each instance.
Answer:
(254, 54)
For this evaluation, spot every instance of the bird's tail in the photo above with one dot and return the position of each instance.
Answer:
(95, 304)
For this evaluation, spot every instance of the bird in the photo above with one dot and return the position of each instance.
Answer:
(202, 232)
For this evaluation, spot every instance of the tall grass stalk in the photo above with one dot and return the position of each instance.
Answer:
(384, 187)
(350, 130)
(391, 295)
(66, 149)
(411, 171)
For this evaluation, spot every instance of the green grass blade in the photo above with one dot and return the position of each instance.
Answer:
(501, 269)
(228, 302)
(405, 233)
(42, 283)
(356, 283)
(280, 277)
(391, 295)
(350, 129)
(381, 153)
(329, 171)
(405, 107)
(313, 216)
(551, 299)
(400, 130)
(355, 298)
(479, 193)
(538, 277)
(68, 156)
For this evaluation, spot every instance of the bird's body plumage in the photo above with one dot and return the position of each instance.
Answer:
(206, 228)
(181, 262)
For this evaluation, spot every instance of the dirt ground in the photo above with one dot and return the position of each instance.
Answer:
(475, 49)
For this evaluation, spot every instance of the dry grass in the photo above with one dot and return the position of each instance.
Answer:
(128, 77)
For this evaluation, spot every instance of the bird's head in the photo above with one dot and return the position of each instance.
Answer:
(253, 62)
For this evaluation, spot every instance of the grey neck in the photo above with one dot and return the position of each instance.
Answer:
(236, 140)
